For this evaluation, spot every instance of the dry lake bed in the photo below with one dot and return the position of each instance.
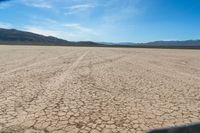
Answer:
(49, 89)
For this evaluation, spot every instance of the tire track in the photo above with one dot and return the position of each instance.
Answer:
(54, 86)
(32, 65)
(60, 79)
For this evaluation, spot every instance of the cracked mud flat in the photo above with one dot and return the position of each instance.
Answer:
(82, 90)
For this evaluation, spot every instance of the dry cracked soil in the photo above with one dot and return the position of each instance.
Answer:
(92, 90)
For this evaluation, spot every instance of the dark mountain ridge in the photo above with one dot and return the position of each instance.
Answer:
(22, 36)
(16, 37)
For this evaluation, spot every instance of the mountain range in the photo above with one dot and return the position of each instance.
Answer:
(16, 37)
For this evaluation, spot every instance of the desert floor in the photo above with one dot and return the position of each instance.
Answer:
(83, 89)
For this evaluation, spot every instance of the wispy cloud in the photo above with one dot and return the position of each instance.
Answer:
(50, 32)
(60, 33)
(5, 25)
(4, 5)
(78, 8)
(68, 31)
(81, 7)
(119, 13)
(80, 28)
(37, 3)
(40, 30)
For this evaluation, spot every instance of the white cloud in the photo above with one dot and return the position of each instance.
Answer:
(42, 31)
(80, 28)
(81, 7)
(115, 12)
(78, 8)
(5, 25)
(74, 36)
(68, 31)
(49, 32)
(37, 3)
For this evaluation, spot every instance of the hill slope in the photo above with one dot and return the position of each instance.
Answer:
(13, 36)
(21, 36)
(16, 37)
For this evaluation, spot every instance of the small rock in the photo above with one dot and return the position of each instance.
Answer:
(107, 131)
(94, 131)
(105, 118)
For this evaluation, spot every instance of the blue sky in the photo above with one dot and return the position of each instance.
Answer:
(105, 20)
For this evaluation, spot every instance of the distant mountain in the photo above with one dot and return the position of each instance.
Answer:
(159, 44)
(12, 35)
(16, 37)
(174, 43)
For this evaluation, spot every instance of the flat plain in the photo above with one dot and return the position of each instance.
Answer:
(92, 90)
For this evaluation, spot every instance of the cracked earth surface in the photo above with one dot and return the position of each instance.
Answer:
(94, 90)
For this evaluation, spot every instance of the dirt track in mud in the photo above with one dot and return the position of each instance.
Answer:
(82, 90)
